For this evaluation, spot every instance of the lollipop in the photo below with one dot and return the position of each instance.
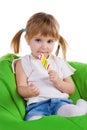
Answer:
(44, 62)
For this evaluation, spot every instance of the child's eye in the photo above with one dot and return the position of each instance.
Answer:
(37, 40)
(50, 41)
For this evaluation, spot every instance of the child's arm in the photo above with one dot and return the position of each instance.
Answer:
(65, 86)
(23, 88)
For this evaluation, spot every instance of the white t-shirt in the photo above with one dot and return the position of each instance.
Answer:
(37, 74)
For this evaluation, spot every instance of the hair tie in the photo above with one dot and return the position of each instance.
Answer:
(23, 30)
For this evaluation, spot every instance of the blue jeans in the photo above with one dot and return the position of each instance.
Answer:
(45, 108)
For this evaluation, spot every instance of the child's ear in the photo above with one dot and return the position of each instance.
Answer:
(27, 39)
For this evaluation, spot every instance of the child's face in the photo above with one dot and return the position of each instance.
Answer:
(40, 44)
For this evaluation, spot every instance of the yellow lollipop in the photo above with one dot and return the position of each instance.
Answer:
(44, 62)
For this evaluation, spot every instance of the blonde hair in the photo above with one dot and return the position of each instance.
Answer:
(43, 24)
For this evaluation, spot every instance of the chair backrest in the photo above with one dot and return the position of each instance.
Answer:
(9, 99)
(80, 78)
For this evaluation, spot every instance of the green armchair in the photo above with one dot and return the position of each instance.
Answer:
(12, 106)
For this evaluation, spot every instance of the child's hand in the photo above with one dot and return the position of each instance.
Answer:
(34, 91)
(53, 75)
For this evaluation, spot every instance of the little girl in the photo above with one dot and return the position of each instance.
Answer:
(46, 93)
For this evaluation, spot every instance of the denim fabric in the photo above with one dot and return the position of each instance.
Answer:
(45, 108)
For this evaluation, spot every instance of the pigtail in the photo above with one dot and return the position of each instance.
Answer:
(15, 43)
(63, 45)
(57, 51)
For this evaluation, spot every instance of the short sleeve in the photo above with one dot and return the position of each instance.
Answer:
(66, 69)
(26, 65)
(14, 63)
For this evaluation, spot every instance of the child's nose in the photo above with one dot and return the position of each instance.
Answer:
(44, 45)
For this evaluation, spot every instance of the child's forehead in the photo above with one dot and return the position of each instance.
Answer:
(42, 36)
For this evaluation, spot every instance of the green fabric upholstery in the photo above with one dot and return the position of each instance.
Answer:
(12, 106)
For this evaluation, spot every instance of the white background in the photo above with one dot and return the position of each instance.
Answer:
(71, 15)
